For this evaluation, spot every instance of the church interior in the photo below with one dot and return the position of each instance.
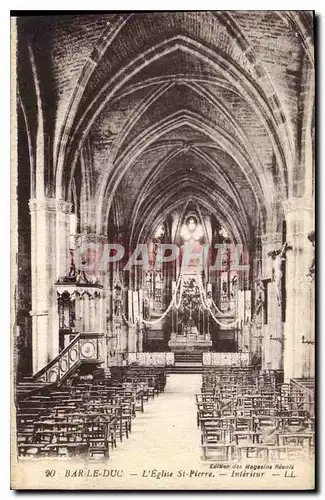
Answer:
(141, 136)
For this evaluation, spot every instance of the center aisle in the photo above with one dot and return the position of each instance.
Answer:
(165, 435)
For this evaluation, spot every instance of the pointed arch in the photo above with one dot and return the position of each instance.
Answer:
(265, 106)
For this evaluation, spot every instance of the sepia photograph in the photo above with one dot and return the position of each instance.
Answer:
(163, 250)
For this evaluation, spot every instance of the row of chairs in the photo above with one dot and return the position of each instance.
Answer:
(243, 414)
(85, 417)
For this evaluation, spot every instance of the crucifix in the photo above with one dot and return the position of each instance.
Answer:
(278, 257)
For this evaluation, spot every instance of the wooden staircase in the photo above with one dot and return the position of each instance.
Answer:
(85, 348)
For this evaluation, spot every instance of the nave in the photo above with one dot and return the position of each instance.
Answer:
(230, 414)
(164, 304)
(167, 429)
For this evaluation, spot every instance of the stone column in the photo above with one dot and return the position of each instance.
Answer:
(49, 238)
(92, 312)
(132, 339)
(86, 312)
(272, 342)
(100, 316)
(298, 356)
(140, 333)
(63, 238)
(78, 312)
(131, 330)
(244, 338)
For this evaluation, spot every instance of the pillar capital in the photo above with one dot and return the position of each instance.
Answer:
(271, 238)
(84, 238)
(49, 205)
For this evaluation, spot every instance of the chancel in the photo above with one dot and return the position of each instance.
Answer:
(166, 233)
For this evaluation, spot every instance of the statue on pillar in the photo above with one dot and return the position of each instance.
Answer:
(117, 300)
(278, 257)
(146, 309)
(311, 237)
(234, 286)
(260, 297)
(225, 289)
(148, 280)
(209, 298)
(86, 278)
(73, 270)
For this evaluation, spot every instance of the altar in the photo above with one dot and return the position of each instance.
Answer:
(190, 322)
(190, 341)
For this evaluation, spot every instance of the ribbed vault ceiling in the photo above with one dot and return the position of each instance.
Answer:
(173, 107)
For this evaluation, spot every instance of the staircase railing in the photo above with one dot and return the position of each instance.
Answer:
(84, 348)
